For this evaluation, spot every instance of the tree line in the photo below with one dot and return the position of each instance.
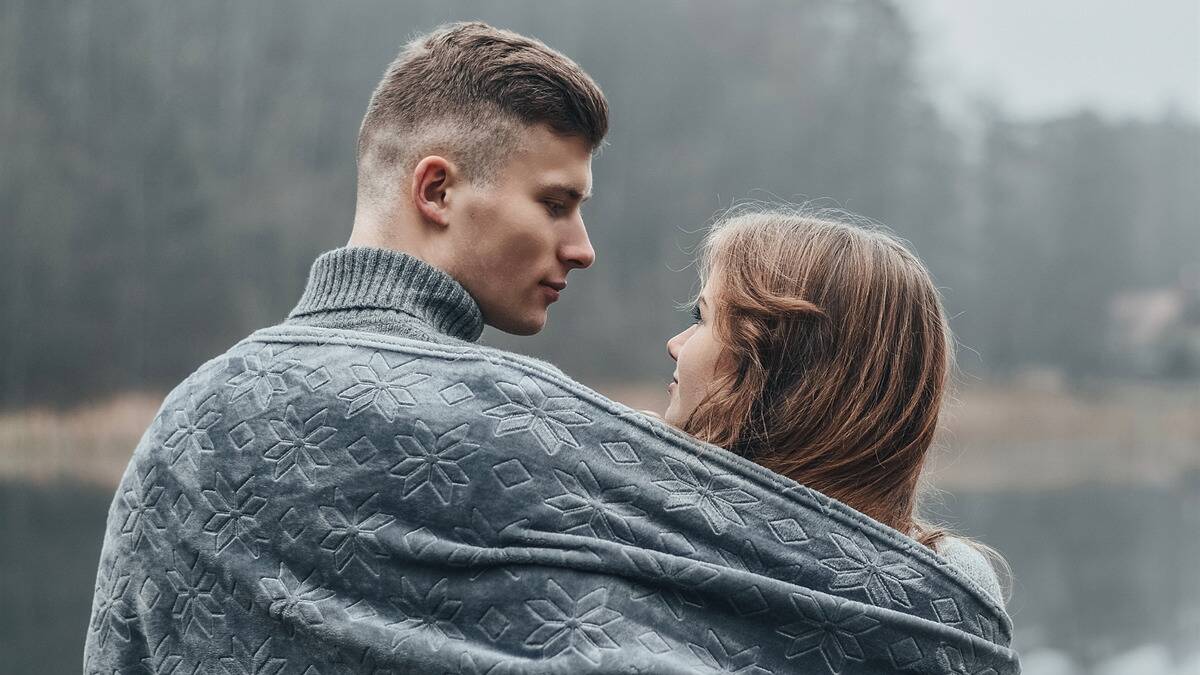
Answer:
(171, 169)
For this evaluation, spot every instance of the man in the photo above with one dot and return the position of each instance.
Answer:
(363, 489)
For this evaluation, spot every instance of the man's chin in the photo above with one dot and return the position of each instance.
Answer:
(523, 326)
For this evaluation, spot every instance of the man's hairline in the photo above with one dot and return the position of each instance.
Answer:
(485, 177)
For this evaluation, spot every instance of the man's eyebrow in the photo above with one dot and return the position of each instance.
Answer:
(567, 190)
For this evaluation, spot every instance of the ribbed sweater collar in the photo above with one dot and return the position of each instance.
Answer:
(374, 279)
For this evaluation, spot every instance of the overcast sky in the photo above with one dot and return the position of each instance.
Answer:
(1045, 57)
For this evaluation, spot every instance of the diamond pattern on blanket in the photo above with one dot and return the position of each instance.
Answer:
(456, 393)
(511, 473)
(621, 452)
(493, 623)
(654, 642)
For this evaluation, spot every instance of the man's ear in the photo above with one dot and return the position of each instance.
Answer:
(432, 180)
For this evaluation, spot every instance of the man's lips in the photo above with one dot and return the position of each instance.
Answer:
(553, 288)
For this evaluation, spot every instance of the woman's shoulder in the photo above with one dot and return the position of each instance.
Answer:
(973, 563)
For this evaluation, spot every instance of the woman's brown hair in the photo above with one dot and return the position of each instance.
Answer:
(837, 355)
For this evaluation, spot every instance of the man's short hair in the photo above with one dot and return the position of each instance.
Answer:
(467, 90)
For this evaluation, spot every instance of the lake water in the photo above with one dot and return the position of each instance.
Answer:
(1106, 576)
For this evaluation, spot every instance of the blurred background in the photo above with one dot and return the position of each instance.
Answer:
(168, 172)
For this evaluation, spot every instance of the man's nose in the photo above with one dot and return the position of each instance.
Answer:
(578, 252)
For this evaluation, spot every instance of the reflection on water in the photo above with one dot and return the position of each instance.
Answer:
(1105, 583)
(1105, 576)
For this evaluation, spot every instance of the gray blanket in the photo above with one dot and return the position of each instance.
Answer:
(321, 501)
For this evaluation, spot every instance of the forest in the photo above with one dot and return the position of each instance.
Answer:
(170, 170)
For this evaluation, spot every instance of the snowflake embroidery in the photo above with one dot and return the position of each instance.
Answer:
(298, 443)
(720, 657)
(233, 513)
(112, 612)
(830, 626)
(881, 577)
(547, 418)
(953, 661)
(164, 660)
(572, 625)
(715, 495)
(194, 602)
(192, 425)
(294, 601)
(467, 665)
(353, 532)
(479, 550)
(430, 615)
(382, 386)
(367, 664)
(749, 559)
(585, 503)
(261, 375)
(142, 498)
(242, 662)
(433, 460)
(673, 580)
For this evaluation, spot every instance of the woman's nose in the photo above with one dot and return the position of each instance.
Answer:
(675, 343)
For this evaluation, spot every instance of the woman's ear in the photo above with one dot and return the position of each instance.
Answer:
(432, 179)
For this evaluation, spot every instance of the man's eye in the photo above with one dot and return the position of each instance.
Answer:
(555, 208)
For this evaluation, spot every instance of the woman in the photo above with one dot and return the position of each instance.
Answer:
(821, 351)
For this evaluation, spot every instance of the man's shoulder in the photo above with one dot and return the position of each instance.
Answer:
(311, 364)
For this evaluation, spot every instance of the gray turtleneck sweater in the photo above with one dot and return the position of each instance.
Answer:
(382, 291)
(363, 489)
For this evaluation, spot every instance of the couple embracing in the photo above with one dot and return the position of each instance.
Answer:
(363, 488)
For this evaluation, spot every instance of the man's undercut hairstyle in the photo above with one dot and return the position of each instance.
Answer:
(466, 90)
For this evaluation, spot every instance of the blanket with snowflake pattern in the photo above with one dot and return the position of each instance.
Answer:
(320, 501)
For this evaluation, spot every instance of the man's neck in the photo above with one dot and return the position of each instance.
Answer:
(378, 289)
(394, 234)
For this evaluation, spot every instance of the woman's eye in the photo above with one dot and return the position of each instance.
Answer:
(696, 313)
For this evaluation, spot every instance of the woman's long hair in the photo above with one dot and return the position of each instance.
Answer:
(837, 357)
